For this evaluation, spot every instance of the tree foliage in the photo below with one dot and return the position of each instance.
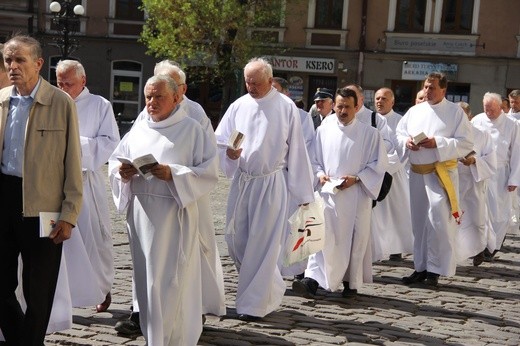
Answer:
(213, 35)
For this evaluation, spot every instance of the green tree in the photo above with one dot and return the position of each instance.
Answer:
(212, 38)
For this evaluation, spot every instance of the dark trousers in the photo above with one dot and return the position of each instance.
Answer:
(41, 263)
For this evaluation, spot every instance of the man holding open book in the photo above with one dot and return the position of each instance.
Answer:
(163, 215)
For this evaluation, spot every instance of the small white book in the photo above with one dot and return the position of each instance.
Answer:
(235, 140)
(417, 139)
(143, 164)
(48, 220)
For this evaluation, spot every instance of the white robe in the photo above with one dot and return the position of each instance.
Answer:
(515, 198)
(391, 218)
(435, 229)
(364, 115)
(99, 136)
(475, 227)
(162, 220)
(274, 162)
(213, 294)
(356, 149)
(308, 134)
(506, 134)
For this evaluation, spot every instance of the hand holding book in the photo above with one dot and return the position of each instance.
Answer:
(142, 164)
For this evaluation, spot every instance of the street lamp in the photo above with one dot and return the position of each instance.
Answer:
(66, 19)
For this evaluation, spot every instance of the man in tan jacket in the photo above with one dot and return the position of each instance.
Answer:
(40, 171)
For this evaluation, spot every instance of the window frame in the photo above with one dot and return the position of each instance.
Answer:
(457, 30)
(410, 27)
(113, 21)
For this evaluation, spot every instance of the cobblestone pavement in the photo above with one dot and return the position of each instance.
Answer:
(478, 306)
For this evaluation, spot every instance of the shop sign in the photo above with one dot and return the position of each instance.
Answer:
(430, 45)
(418, 70)
(301, 64)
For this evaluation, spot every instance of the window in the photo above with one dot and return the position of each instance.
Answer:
(410, 15)
(17, 5)
(268, 14)
(457, 16)
(126, 17)
(126, 89)
(268, 21)
(129, 10)
(328, 14)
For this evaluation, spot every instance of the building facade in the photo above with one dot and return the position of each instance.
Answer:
(325, 43)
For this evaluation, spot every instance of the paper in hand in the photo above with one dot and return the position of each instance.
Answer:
(48, 221)
(331, 185)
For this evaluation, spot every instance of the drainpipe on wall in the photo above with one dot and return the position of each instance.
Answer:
(362, 43)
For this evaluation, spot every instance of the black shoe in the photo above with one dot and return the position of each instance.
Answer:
(432, 279)
(396, 257)
(299, 276)
(415, 277)
(478, 259)
(305, 287)
(348, 292)
(249, 318)
(488, 256)
(130, 326)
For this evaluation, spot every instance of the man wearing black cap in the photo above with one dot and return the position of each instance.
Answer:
(323, 99)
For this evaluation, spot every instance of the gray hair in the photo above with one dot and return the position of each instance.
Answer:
(514, 94)
(159, 79)
(67, 65)
(266, 66)
(489, 96)
(465, 106)
(33, 44)
(170, 68)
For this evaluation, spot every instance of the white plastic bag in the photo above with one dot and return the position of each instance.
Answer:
(307, 231)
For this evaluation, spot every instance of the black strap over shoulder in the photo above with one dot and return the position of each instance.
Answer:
(387, 180)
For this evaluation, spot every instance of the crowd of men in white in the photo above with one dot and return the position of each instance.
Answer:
(453, 195)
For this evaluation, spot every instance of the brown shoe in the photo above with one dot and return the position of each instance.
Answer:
(104, 306)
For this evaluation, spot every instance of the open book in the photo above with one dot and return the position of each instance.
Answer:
(143, 164)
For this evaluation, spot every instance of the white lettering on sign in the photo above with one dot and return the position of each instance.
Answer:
(301, 64)
(417, 70)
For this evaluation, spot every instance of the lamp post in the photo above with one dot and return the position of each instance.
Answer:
(66, 18)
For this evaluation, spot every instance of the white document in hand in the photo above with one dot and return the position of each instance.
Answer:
(47, 222)
(331, 186)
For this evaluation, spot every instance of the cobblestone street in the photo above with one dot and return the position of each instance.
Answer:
(478, 306)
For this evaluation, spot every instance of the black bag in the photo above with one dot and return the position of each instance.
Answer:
(387, 179)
